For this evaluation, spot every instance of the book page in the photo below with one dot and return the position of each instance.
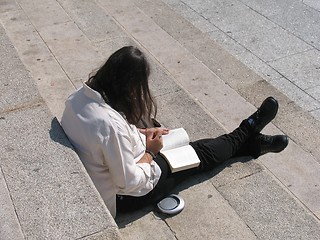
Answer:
(182, 158)
(176, 138)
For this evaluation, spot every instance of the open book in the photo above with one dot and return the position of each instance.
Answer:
(177, 151)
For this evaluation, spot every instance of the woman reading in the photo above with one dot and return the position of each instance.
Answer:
(123, 161)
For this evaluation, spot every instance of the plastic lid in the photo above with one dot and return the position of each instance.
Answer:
(172, 204)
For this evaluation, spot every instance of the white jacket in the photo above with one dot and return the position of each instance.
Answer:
(108, 146)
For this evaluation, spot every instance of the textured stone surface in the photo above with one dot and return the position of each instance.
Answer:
(42, 170)
(45, 190)
(9, 220)
(301, 20)
(270, 43)
(48, 74)
(302, 69)
(92, 20)
(17, 87)
(257, 26)
(312, 3)
(147, 227)
(268, 210)
(296, 94)
(207, 215)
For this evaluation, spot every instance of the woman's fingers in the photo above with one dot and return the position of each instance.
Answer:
(154, 132)
(155, 143)
(165, 131)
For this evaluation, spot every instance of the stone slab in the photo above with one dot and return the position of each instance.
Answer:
(113, 6)
(225, 41)
(8, 5)
(161, 82)
(66, 41)
(234, 169)
(9, 225)
(316, 114)
(206, 215)
(263, 69)
(271, 7)
(144, 225)
(218, 10)
(303, 69)
(301, 20)
(233, 16)
(109, 46)
(72, 49)
(314, 92)
(270, 43)
(312, 3)
(268, 210)
(15, 79)
(193, 17)
(298, 172)
(226, 67)
(42, 66)
(92, 20)
(44, 13)
(42, 170)
(107, 234)
(296, 94)
(177, 27)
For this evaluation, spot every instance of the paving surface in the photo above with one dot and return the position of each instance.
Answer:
(279, 40)
(213, 62)
(45, 192)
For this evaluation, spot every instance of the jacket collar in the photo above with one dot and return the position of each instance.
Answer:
(94, 95)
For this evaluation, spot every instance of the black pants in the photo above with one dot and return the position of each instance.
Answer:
(211, 152)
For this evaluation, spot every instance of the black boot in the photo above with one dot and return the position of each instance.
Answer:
(262, 144)
(265, 113)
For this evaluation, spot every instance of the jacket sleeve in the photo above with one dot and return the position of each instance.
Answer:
(129, 177)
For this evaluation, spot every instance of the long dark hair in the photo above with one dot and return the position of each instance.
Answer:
(123, 83)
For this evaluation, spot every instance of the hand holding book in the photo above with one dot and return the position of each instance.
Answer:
(154, 131)
(154, 142)
(177, 151)
(173, 146)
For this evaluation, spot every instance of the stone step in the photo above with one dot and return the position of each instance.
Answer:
(45, 191)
